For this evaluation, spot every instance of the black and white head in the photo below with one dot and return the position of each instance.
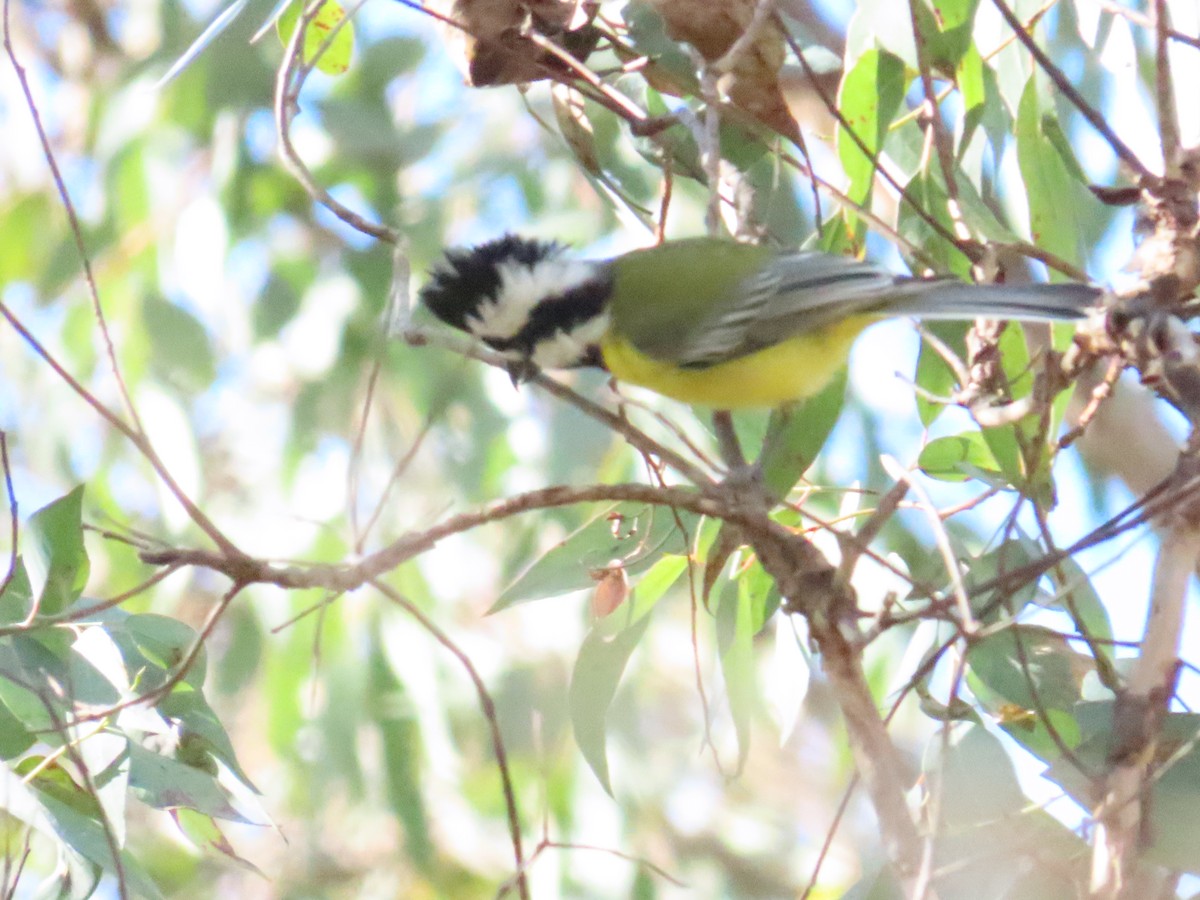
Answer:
(525, 300)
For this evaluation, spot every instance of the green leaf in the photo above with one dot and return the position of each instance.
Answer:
(17, 599)
(179, 345)
(59, 559)
(165, 642)
(926, 192)
(982, 105)
(1030, 679)
(598, 669)
(1175, 785)
(204, 832)
(737, 624)
(336, 56)
(15, 739)
(649, 37)
(201, 731)
(27, 224)
(1081, 602)
(946, 31)
(165, 783)
(1005, 601)
(934, 376)
(968, 797)
(869, 98)
(796, 435)
(660, 577)
(74, 816)
(1050, 186)
(958, 457)
(632, 532)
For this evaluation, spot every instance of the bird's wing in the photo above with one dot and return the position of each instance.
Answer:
(751, 302)
(793, 294)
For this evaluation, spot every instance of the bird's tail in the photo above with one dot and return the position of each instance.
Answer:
(1029, 302)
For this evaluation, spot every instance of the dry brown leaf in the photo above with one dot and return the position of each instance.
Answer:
(490, 43)
(752, 80)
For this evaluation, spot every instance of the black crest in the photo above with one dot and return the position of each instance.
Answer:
(467, 277)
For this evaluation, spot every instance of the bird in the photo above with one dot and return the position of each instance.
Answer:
(706, 321)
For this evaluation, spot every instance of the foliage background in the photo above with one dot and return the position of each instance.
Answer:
(251, 330)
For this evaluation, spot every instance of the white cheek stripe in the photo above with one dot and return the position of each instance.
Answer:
(521, 289)
(566, 349)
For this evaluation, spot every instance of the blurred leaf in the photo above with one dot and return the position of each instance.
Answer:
(204, 832)
(927, 193)
(242, 657)
(1030, 679)
(978, 783)
(598, 669)
(75, 817)
(1078, 597)
(1175, 784)
(179, 344)
(869, 98)
(737, 624)
(1052, 191)
(982, 104)
(27, 224)
(631, 532)
(958, 457)
(17, 599)
(390, 708)
(946, 30)
(320, 29)
(936, 379)
(573, 124)
(796, 435)
(15, 739)
(201, 732)
(1030, 667)
(881, 24)
(59, 560)
(1012, 596)
(989, 834)
(165, 783)
(673, 69)
(165, 642)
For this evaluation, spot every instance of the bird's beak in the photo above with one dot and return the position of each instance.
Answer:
(521, 370)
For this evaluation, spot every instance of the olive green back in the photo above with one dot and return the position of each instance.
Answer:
(663, 294)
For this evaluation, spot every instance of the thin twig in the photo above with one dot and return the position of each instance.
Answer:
(489, 713)
(637, 438)
(966, 619)
(137, 437)
(64, 195)
(943, 142)
(851, 132)
(1068, 90)
(1144, 21)
(286, 98)
(181, 669)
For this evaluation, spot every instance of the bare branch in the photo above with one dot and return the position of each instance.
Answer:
(1138, 717)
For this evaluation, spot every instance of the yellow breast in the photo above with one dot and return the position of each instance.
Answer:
(792, 370)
